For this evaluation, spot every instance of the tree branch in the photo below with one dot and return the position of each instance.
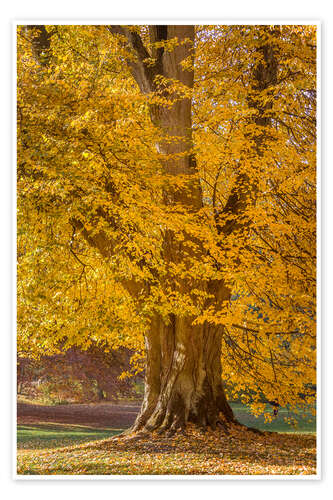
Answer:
(143, 72)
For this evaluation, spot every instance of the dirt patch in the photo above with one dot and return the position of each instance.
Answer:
(120, 416)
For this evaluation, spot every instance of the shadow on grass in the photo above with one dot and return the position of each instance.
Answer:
(306, 421)
(45, 436)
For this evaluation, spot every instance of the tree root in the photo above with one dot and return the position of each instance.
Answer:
(249, 429)
(223, 426)
(173, 427)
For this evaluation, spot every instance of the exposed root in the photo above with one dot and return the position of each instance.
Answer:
(223, 429)
(249, 429)
(131, 436)
(223, 426)
(176, 427)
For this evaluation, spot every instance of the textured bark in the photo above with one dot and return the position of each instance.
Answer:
(183, 375)
(40, 42)
(183, 378)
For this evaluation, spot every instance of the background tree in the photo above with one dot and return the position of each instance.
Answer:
(78, 375)
(167, 203)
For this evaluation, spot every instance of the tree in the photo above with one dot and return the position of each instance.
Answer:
(93, 374)
(186, 206)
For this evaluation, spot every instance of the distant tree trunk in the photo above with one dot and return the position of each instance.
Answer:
(100, 394)
(20, 378)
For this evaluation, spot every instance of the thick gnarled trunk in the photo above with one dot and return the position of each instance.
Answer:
(183, 378)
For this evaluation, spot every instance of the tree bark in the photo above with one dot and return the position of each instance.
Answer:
(183, 378)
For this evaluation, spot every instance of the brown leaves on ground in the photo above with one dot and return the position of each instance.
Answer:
(209, 453)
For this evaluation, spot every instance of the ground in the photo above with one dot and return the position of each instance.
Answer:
(93, 415)
(77, 439)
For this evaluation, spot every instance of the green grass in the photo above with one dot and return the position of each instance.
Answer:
(46, 436)
(306, 422)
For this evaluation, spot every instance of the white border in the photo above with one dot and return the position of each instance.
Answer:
(312, 477)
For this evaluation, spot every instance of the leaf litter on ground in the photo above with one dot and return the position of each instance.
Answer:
(194, 453)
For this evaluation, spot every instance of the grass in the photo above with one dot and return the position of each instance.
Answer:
(306, 421)
(51, 449)
(46, 436)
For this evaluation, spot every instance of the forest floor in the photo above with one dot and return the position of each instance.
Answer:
(77, 440)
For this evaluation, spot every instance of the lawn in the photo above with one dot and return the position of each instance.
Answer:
(46, 436)
(306, 421)
(50, 449)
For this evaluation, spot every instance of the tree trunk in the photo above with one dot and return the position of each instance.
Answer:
(100, 394)
(183, 378)
(183, 362)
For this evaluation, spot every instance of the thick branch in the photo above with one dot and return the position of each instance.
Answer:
(141, 69)
(264, 77)
(40, 42)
